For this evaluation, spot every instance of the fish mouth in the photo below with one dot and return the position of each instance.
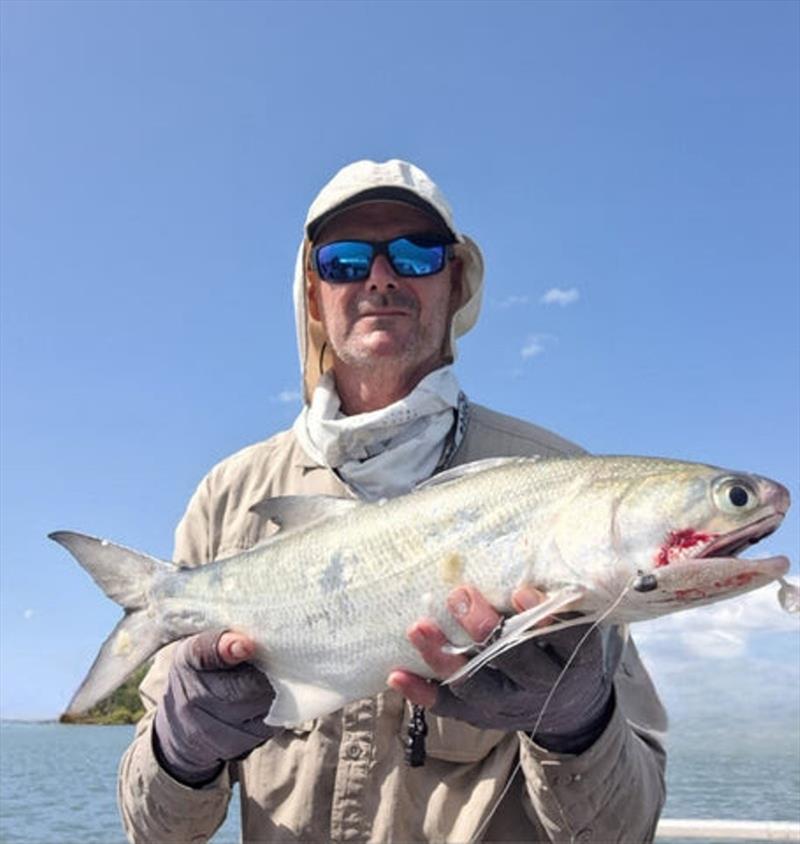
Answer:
(710, 570)
(732, 544)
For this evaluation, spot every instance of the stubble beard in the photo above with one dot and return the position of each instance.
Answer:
(356, 353)
(420, 353)
(411, 359)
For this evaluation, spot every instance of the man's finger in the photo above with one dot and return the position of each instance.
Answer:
(429, 640)
(413, 688)
(215, 649)
(527, 597)
(473, 612)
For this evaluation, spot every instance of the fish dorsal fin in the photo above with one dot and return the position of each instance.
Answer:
(294, 512)
(467, 469)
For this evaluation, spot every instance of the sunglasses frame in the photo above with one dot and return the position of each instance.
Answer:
(381, 247)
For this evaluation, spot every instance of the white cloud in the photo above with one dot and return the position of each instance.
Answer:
(512, 301)
(720, 631)
(749, 696)
(715, 644)
(729, 667)
(557, 296)
(28, 614)
(533, 346)
(287, 396)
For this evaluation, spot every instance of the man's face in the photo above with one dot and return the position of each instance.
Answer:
(386, 318)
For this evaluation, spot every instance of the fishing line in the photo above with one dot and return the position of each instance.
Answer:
(481, 829)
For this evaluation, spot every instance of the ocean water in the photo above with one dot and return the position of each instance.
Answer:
(725, 768)
(57, 782)
(58, 785)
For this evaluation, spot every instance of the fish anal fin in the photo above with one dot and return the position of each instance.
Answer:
(297, 701)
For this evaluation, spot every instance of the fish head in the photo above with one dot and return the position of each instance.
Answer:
(689, 555)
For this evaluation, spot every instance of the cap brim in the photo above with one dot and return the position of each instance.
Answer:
(391, 194)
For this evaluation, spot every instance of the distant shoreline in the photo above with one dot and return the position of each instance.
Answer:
(113, 718)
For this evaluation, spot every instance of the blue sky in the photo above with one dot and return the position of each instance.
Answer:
(629, 169)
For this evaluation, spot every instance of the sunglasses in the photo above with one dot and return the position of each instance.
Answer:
(410, 256)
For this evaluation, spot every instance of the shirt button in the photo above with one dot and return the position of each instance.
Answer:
(584, 836)
(353, 751)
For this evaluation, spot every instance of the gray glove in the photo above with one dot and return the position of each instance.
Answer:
(211, 713)
(510, 692)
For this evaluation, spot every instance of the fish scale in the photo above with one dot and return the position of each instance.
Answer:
(329, 598)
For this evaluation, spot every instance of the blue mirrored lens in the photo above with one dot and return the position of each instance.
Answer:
(345, 260)
(415, 257)
(351, 260)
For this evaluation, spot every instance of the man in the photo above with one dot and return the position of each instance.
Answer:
(384, 285)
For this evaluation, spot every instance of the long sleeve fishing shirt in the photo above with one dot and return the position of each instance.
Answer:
(342, 777)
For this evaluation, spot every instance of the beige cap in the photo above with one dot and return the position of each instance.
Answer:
(368, 181)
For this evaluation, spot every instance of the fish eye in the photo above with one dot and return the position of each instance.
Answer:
(735, 495)
(738, 496)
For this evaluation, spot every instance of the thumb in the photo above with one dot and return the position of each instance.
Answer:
(234, 648)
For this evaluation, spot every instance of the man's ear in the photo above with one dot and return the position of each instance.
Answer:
(312, 288)
(456, 285)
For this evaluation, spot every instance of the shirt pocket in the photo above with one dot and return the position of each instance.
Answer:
(456, 741)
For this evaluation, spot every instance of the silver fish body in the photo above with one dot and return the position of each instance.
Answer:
(329, 598)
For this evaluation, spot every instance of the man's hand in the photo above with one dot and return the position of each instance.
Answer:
(214, 707)
(511, 692)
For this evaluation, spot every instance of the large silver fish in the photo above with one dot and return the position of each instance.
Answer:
(328, 599)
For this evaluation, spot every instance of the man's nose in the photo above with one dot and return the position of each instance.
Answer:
(381, 275)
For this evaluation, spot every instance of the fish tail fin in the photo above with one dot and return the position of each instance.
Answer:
(126, 576)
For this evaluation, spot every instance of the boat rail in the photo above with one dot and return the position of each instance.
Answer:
(727, 830)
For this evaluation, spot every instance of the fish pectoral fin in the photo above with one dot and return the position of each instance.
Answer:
(293, 512)
(297, 701)
(518, 629)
